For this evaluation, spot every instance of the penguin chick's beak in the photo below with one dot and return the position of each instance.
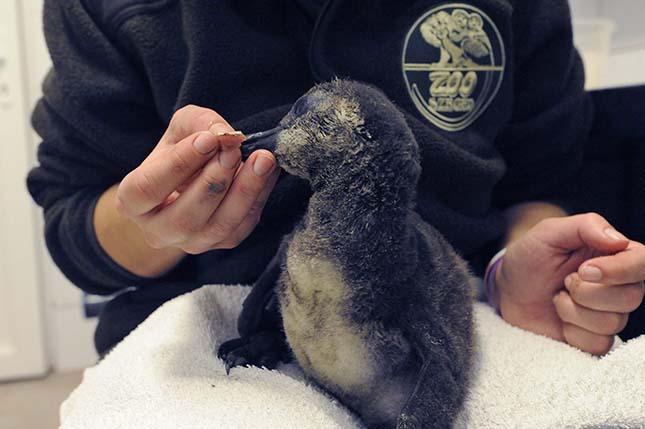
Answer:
(261, 140)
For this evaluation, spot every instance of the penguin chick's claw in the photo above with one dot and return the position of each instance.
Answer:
(225, 353)
(264, 349)
(406, 421)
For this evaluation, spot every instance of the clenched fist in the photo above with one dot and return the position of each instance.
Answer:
(574, 279)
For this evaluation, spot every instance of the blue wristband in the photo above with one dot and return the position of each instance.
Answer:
(489, 278)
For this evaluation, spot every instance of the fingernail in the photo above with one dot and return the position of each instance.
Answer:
(229, 134)
(229, 158)
(590, 273)
(567, 281)
(220, 128)
(613, 234)
(205, 142)
(262, 165)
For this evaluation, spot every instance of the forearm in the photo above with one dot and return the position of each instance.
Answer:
(125, 243)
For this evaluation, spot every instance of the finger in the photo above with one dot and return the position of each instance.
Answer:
(627, 266)
(597, 296)
(245, 190)
(150, 184)
(188, 215)
(182, 188)
(598, 322)
(589, 342)
(585, 230)
(253, 216)
(191, 119)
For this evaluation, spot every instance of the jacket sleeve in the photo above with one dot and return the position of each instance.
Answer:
(97, 122)
(543, 144)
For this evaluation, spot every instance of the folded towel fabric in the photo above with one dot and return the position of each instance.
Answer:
(165, 374)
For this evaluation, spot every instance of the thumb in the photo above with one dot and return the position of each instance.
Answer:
(584, 230)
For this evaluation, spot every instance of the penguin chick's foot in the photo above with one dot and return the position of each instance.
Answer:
(264, 349)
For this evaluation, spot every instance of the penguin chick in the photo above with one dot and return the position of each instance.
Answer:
(375, 304)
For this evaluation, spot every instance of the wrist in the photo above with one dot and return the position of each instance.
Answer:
(506, 307)
(124, 242)
(535, 316)
(524, 216)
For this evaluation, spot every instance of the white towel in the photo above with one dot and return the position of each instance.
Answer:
(165, 374)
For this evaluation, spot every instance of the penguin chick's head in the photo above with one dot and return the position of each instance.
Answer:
(339, 128)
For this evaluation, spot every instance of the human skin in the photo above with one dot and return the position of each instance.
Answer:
(184, 200)
(572, 278)
(190, 195)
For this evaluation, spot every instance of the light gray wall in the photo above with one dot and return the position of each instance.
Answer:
(629, 16)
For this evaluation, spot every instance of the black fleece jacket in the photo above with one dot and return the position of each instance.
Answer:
(122, 68)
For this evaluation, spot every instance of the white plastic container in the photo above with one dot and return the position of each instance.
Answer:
(593, 37)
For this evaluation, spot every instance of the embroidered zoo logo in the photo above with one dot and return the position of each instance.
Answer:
(453, 64)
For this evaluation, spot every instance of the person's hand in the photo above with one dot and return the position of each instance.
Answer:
(574, 279)
(193, 192)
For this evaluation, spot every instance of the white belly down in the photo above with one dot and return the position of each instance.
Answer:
(346, 358)
(325, 343)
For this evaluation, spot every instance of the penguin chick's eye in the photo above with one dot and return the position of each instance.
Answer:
(300, 107)
(306, 103)
(363, 132)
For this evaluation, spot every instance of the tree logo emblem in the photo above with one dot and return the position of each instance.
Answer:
(453, 64)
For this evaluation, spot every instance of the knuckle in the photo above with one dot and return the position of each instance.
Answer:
(145, 188)
(600, 345)
(184, 225)
(179, 165)
(255, 211)
(221, 230)
(194, 117)
(632, 296)
(593, 218)
(184, 112)
(237, 238)
(622, 322)
(596, 344)
(227, 244)
(574, 287)
(194, 249)
(613, 323)
(249, 191)
(204, 118)
(548, 224)
(562, 307)
(616, 272)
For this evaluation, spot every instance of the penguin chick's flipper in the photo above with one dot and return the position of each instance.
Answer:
(262, 342)
(260, 311)
(430, 402)
(440, 387)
